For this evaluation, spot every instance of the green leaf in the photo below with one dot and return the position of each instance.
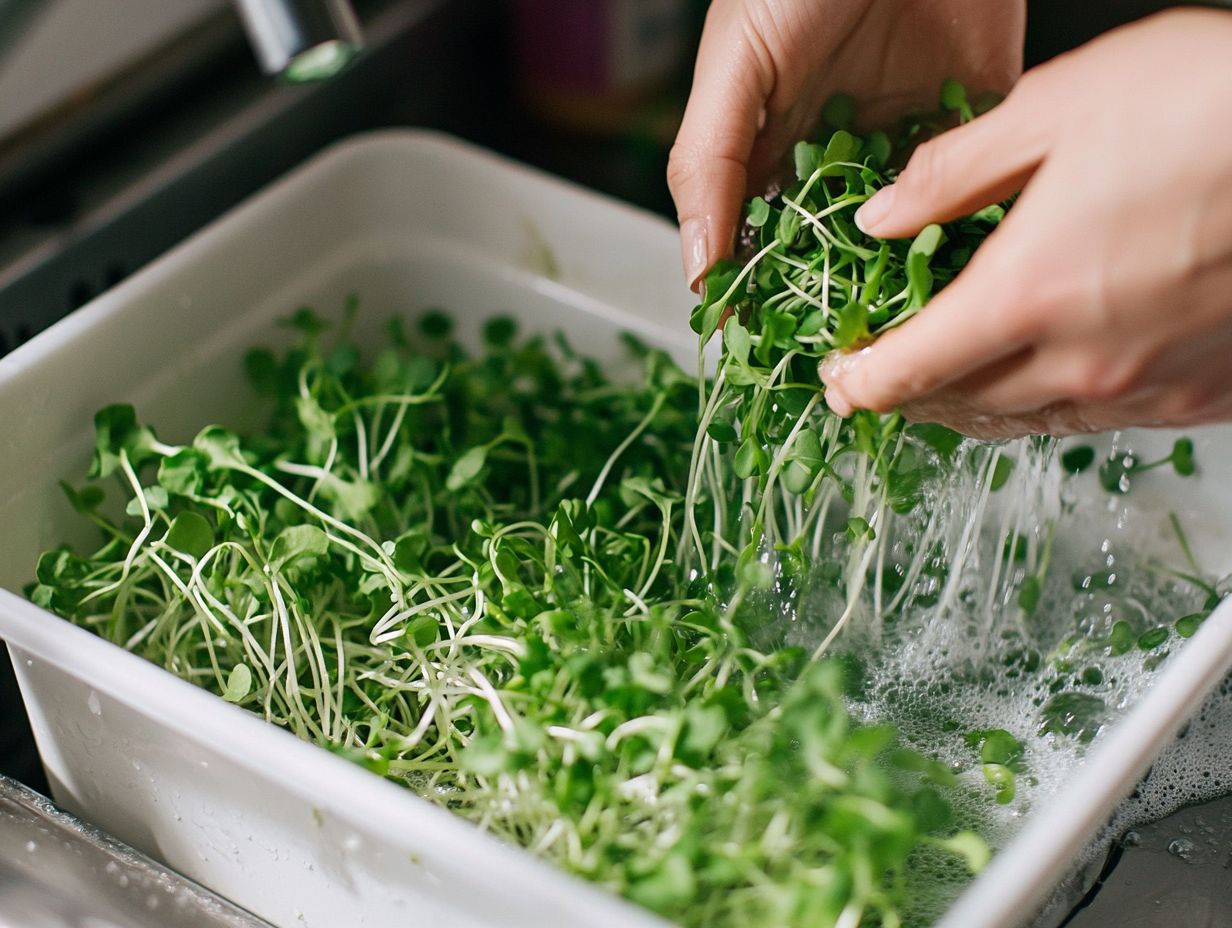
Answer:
(750, 459)
(239, 684)
(919, 256)
(945, 442)
(644, 673)
(756, 575)
(788, 226)
(1152, 638)
(954, 99)
(220, 448)
(970, 847)
(191, 534)
(722, 431)
(500, 331)
(1078, 715)
(852, 328)
(155, 498)
(318, 423)
(843, 148)
(296, 542)
(670, 885)
(1001, 472)
(1076, 460)
(758, 211)
(1187, 626)
(1122, 638)
(436, 324)
(1114, 473)
(1001, 778)
(797, 477)
(305, 321)
(262, 370)
(989, 214)
(1029, 594)
(1182, 457)
(704, 728)
(807, 448)
(116, 430)
(466, 468)
(808, 159)
(812, 323)
(343, 359)
(183, 473)
(353, 498)
(998, 746)
(86, 500)
(858, 529)
(486, 756)
(736, 340)
(707, 315)
(877, 149)
(423, 629)
(409, 551)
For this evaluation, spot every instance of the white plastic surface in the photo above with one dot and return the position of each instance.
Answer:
(408, 221)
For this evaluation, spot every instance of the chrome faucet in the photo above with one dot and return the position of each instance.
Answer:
(301, 40)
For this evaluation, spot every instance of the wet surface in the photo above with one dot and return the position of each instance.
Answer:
(57, 872)
(1177, 871)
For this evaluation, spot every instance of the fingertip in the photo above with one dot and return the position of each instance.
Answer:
(871, 216)
(838, 402)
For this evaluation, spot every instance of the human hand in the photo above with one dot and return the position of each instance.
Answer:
(1104, 299)
(766, 67)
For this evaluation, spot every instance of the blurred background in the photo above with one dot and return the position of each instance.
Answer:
(125, 125)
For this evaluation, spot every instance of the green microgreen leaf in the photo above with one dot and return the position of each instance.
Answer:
(239, 683)
(191, 534)
(1076, 460)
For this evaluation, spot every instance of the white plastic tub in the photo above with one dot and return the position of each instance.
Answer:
(409, 221)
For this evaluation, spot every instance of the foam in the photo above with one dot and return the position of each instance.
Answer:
(964, 657)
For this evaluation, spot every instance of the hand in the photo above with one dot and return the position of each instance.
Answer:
(1104, 299)
(766, 67)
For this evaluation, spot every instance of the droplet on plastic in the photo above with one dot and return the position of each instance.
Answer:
(1182, 848)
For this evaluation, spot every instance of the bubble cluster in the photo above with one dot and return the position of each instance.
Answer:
(964, 652)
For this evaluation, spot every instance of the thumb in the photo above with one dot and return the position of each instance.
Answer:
(707, 169)
(965, 169)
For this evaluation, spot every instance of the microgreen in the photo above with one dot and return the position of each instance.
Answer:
(538, 596)
(419, 566)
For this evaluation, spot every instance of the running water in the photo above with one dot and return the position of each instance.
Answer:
(1014, 597)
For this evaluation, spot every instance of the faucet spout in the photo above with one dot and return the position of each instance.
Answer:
(301, 40)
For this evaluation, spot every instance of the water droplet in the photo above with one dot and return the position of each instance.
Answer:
(31, 847)
(1182, 848)
(1131, 839)
(93, 704)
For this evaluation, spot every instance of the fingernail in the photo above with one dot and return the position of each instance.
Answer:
(837, 401)
(874, 211)
(693, 245)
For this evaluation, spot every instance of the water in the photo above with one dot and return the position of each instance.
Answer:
(956, 653)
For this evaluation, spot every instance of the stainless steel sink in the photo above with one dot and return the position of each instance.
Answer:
(58, 872)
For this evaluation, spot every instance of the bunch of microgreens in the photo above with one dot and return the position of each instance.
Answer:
(420, 567)
(814, 283)
(423, 565)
